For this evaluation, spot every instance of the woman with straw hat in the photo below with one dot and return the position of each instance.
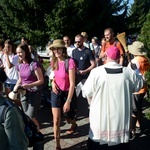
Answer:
(140, 64)
(63, 89)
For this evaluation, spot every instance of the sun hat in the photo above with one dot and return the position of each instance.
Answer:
(3, 76)
(137, 48)
(57, 43)
(113, 52)
(17, 89)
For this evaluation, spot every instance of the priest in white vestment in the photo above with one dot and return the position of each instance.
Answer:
(110, 88)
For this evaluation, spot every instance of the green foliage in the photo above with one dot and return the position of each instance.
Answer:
(145, 33)
(74, 16)
(46, 64)
(137, 15)
(24, 18)
(145, 38)
(40, 21)
(147, 115)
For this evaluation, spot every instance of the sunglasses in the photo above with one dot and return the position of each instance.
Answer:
(77, 42)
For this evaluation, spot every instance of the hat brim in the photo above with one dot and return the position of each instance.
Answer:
(133, 50)
(12, 95)
(56, 45)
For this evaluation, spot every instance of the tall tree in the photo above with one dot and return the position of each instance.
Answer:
(145, 38)
(40, 21)
(145, 33)
(74, 16)
(137, 15)
(24, 18)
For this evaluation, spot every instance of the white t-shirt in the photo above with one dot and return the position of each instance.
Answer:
(11, 73)
(1, 58)
(69, 50)
(89, 45)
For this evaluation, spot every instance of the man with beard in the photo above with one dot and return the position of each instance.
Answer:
(83, 57)
(110, 40)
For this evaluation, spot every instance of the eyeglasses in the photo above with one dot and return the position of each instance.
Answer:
(77, 42)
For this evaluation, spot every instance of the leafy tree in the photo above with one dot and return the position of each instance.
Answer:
(72, 17)
(40, 21)
(145, 38)
(145, 33)
(24, 18)
(137, 15)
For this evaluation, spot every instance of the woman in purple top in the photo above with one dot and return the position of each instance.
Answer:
(63, 87)
(29, 80)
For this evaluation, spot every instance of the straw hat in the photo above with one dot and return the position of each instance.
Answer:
(18, 89)
(59, 43)
(13, 95)
(137, 48)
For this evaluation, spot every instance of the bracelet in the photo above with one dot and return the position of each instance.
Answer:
(68, 100)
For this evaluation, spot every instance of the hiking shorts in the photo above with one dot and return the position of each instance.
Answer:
(58, 100)
(137, 101)
(31, 103)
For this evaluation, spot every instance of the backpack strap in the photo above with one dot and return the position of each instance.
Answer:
(19, 66)
(31, 65)
(67, 65)
(115, 43)
(3, 110)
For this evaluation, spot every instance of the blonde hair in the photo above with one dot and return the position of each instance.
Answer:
(55, 60)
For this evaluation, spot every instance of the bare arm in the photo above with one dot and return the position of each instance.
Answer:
(102, 54)
(9, 64)
(40, 79)
(71, 90)
(121, 60)
(93, 65)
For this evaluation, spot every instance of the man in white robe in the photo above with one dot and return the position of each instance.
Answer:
(110, 88)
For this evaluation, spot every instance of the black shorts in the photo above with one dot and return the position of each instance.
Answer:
(137, 101)
(58, 100)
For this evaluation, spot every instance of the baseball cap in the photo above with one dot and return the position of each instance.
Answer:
(113, 52)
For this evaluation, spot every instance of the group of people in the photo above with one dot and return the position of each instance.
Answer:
(16, 67)
(114, 92)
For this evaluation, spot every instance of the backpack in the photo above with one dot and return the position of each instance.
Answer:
(40, 87)
(31, 130)
(125, 61)
(77, 76)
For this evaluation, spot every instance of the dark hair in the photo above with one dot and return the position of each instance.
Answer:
(2, 43)
(25, 48)
(25, 40)
(10, 42)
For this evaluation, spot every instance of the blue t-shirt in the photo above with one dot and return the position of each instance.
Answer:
(82, 58)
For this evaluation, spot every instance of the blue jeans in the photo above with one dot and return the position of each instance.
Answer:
(9, 85)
